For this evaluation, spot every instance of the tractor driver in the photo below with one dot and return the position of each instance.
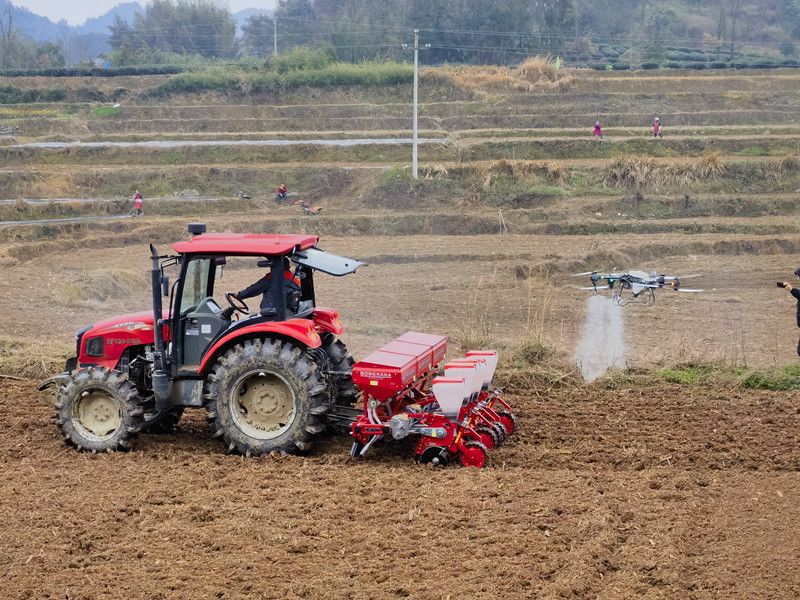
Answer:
(291, 284)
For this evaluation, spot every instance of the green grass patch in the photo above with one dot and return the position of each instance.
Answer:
(505, 190)
(753, 151)
(242, 82)
(10, 94)
(779, 379)
(687, 375)
(107, 111)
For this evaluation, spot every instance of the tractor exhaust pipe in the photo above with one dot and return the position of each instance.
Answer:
(161, 384)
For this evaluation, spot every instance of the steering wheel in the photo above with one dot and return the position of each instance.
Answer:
(237, 304)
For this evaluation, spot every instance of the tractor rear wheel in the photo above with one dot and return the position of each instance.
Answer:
(98, 410)
(342, 389)
(266, 396)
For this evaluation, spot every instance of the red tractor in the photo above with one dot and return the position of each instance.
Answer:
(273, 379)
(268, 380)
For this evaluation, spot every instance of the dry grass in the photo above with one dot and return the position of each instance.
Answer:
(98, 286)
(535, 74)
(541, 73)
(473, 331)
(710, 165)
(638, 173)
(33, 359)
(437, 171)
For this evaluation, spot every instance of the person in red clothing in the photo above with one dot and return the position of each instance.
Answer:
(281, 194)
(138, 200)
(656, 127)
(598, 130)
(291, 284)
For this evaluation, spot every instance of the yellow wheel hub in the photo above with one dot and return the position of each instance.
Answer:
(99, 413)
(263, 405)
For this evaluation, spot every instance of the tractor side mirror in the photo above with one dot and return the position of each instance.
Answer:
(165, 286)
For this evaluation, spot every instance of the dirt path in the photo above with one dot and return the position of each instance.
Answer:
(603, 494)
(171, 144)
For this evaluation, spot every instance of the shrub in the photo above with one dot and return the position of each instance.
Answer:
(217, 80)
(302, 58)
(85, 71)
(787, 48)
(650, 65)
(783, 379)
(14, 95)
(537, 69)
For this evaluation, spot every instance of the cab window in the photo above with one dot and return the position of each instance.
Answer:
(195, 285)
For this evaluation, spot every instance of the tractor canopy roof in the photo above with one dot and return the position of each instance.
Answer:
(246, 244)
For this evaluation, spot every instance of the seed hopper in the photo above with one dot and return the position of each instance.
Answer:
(408, 389)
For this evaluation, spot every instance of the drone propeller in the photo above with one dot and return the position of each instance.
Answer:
(688, 290)
(594, 289)
(583, 274)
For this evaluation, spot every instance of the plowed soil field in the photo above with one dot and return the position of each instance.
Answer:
(647, 493)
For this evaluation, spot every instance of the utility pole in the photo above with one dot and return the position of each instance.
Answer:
(415, 150)
(275, 34)
(415, 133)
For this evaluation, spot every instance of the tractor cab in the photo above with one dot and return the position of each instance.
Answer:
(203, 312)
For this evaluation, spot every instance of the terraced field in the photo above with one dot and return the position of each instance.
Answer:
(609, 490)
(716, 196)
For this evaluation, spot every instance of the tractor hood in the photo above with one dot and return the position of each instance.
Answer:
(131, 321)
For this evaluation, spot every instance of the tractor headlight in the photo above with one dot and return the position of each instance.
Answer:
(94, 346)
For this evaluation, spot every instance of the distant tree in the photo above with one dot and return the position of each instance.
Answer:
(16, 51)
(258, 36)
(121, 35)
(184, 27)
(711, 45)
(735, 11)
(297, 24)
(49, 55)
(582, 47)
(558, 20)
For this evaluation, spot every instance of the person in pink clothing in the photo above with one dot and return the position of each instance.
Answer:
(138, 200)
(656, 127)
(598, 130)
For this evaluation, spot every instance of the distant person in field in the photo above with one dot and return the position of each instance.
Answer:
(796, 295)
(138, 201)
(656, 127)
(281, 194)
(598, 130)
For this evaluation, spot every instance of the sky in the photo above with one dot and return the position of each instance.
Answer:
(77, 11)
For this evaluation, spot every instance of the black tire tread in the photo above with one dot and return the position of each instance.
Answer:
(296, 367)
(118, 385)
(343, 390)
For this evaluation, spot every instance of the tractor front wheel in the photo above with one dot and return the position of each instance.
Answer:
(265, 396)
(98, 410)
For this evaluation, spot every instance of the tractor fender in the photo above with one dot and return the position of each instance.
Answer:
(327, 319)
(299, 330)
